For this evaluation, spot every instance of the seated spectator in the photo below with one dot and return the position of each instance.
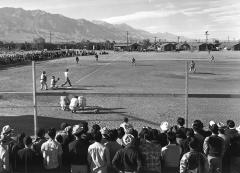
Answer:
(231, 131)
(74, 104)
(52, 152)
(126, 125)
(64, 103)
(98, 155)
(28, 160)
(151, 154)
(78, 151)
(194, 161)
(213, 148)
(171, 154)
(127, 159)
(113, 147)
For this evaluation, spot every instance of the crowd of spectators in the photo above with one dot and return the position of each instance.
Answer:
(28, 56)
(168, 149)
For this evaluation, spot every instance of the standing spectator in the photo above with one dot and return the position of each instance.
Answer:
(194, 161)
(6, 145)
(98, 155)
(28, 160)
(185, 143)
(37, 144)
(179, 128)
(121, 133)
(67, 80)
(78, 151)
(52, 152)
(77, 59)
(235, 155)
(197, 128)
(213, 148)
(231, 131)
(171, 154)
(43, 80)
(113, 147)
(151, 154)
(105, 135)
(126, 125)
(128, 159)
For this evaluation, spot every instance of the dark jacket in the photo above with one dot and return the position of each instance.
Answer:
(78, 152)
(127, 159)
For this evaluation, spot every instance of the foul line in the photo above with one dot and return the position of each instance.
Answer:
(89, 74)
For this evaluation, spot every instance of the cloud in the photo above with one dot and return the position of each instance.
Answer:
(139, 16)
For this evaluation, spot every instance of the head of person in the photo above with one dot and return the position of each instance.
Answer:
(78, 130)
(194, 144)
(7, 131)
(95, 128)
(53, 77)
(180, 121)
(52, 133)
(164, 126)
(97, 136)
(20, 138)
(125, 120)
(44, 72)
(213, 128)
(27, 141)
(171, 137)
(84, 125)
(143, 132)
(190, 133)
(148, 135)
(67, 70)
(230, 124)
(112, 135)
(120, 132)
(221, 128)
(63, 125)
(40, 133)
(59, 139)
(76, 97)
(105, 133)
(155, 135)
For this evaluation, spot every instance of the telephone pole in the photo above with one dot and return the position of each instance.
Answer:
(206, 34)
(178, 38)
(127, 42)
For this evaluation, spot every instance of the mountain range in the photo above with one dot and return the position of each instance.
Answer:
(19, 25)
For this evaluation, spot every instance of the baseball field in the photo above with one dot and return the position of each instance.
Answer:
(146, 93)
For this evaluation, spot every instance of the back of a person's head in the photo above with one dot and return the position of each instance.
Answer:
(63, 126)
(194, 143)
(125, 120)
(95, 128)
(143, 132)
(148, 135)
(52, 133)
(59, 139)
(97, 136)
(181, 121)
(41, 133)
(213, 128)
(230, 123)
(112, 135)
(155, 135)
(133, 132)
(171, 137)
(20, 137)
(198, 123)
(190, 133)
(120, 132)
(27, 140)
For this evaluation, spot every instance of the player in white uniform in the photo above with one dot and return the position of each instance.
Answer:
(67, 80)
(43, 80)
(192, 67)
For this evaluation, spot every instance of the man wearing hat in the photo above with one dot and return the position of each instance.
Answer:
(127, 160)
(78, 151)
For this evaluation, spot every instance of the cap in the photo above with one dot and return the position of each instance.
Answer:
(164, 126)
(6, 129)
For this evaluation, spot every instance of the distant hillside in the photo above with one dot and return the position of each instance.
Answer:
(21, 25)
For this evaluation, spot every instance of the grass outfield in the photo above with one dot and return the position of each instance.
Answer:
(153, 73)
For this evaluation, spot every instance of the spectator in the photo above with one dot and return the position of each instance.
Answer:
(200, 129)
(52, 152)
(78, 151)
(98, 155)
(231, 131)
(6, 145)
(179, 128)
(74, 104)
(16, 147)
(121, 133)
(126, 125)
(194, 161)
(104, 131)
(113, 147)
(213, 147)
(39, 141)
(171, 154)
(128, 158)
(151, 154)
(235, 154)
(185, 143)
(197, 128)
(28, 160)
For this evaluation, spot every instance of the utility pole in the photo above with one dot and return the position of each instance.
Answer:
(206, 34)
(178, 38)
(127, 42)
(50, 37)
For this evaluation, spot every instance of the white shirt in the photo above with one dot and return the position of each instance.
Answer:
(66, 74)
(126, 126)
(73, 103)
(51, 150)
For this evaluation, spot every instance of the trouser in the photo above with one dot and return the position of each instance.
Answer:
(79, 169)
(67, 81)
(215, 164)
(43, 83)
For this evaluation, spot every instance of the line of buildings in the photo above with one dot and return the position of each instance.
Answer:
(183, 46)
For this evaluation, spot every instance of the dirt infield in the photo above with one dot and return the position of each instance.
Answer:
(154, 73)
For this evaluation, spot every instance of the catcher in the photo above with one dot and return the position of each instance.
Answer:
(54, 82)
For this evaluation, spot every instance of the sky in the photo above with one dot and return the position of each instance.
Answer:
(189, 18)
